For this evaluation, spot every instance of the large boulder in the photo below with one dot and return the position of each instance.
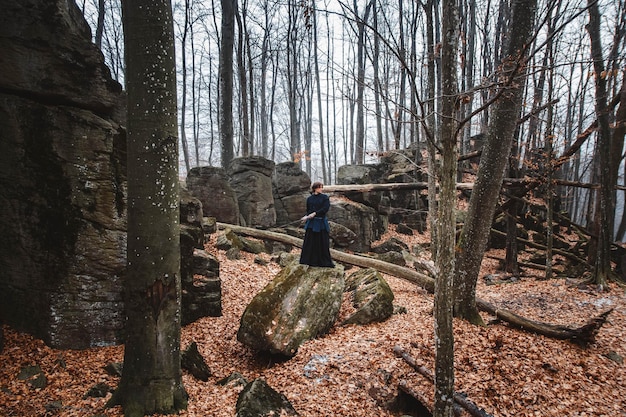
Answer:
(362, 174)
(290, 186)
(211, 185)
(299, 304)
(367, 225)
(251, 179)
(63, 170)
(371, 296)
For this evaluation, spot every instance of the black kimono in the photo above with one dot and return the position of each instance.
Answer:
(316, 245)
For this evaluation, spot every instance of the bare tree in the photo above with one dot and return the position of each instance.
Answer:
(246, 113)
(504, 117)
(445, 260)
(229, 8)
(360, 81)
(183, 104)
(605, 213)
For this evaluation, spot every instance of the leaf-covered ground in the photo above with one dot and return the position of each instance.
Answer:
(352, 371)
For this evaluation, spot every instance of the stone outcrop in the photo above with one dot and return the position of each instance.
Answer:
(63, 188)
(201, 287)
(371, 296)
(299, 304)
(396, 166)
(211, 185)
(290, 186)
(251, 179)
(364, 221)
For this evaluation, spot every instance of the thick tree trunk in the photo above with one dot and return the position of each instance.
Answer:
(151, 382)
(473, 240)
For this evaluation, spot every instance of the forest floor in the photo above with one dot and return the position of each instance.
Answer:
(352, 369)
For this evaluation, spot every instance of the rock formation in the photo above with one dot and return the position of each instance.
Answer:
(211, 185)
(63, 188)
(251, 178)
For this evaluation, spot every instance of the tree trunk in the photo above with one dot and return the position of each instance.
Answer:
(100, 24)
(292, 82)
(444, 332)
(360, 82)
(605, 213)
(318, 90)
(151, 382)
(183, 93)
(618, 138)
(475, 233)
(243, 83)
(226, 81)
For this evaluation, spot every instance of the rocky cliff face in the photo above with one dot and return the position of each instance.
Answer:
(62, 179)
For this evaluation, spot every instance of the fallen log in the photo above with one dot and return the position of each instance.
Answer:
(392, 186)
(582, 335)
(459, 399)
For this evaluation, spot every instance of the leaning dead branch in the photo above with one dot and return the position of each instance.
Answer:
(459, 399)
(582, 335)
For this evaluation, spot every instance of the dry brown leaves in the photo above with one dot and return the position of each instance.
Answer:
(352, 370)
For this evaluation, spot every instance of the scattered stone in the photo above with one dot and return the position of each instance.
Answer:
(114, 368)
(258, 399)
(236, 378)
(615, 357)
(233, 254)
(100, 390)
(399, 310)
(228, 239)
(192, 361)
(403, 229)
(251, 245)
(392, 244)
(34, 375)
(392, 257)
(54, 407)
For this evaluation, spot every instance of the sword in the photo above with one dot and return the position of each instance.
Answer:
(290, 223)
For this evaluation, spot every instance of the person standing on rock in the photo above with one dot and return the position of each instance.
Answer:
(316, 245)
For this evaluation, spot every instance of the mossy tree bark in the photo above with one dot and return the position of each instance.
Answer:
(152, 379)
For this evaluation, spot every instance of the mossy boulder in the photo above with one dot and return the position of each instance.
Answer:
(300, 303)
(371, 296)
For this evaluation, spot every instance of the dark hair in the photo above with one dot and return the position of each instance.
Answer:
(316, 185)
